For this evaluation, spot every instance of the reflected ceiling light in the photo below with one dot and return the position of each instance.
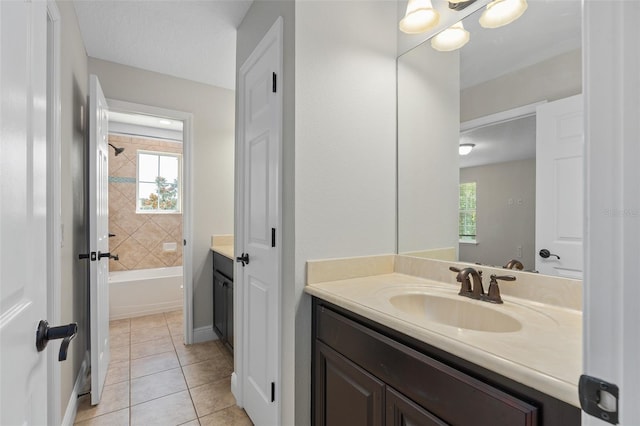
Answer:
(502, 12)
(165, 121)
(465, 148)
(420, 17)
(450, 39)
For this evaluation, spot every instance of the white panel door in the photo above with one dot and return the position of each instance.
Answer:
(261, 120)
(559, 187)
(99, 236)
(23, 209)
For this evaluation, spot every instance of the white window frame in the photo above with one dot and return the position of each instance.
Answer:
(180, 182)
(474, 240)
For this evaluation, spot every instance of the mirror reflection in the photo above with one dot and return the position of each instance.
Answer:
(490, 95)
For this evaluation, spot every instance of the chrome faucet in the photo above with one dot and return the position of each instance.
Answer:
(466, 289)
(514, 263)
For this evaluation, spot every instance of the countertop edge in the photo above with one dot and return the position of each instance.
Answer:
(226, 251)
(559, 389)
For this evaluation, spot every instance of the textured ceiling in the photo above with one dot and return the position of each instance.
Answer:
(194, 40)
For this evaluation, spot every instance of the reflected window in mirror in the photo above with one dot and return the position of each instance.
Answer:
(467, 213)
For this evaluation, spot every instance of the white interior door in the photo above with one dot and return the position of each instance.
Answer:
(23, 208)
(261, 118)
(99, 236)
(559, 187)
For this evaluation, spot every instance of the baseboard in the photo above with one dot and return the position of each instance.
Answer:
(235, 390)
(72, 406)
(204, 334)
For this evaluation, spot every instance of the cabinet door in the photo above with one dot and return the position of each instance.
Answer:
(345, 394)
(219, 307)
(229, 313)
(401, 411)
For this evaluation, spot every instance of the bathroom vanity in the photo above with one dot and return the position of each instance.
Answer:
(380, 360)
(223, 291)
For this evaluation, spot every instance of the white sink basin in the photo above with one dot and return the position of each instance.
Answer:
(457, 312)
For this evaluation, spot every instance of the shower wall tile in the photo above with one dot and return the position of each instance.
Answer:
(139, 237)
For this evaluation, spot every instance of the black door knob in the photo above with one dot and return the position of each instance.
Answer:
(544, 253)
(44, 333)
(244, 259)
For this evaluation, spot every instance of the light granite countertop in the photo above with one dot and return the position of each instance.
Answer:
(544, 354)
(226, 251)
(223, 244)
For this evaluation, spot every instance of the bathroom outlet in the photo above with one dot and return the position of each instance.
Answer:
(169, 246)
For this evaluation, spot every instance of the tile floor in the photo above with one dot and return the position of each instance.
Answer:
(154, 379)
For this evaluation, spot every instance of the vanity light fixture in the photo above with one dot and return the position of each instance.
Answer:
(419, 17)
(450, 39)
(465, 148)
(502, 12)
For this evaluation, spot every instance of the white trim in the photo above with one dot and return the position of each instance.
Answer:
(72, 406)
(611, 65)
(500, 117)
(187, 199)
(204, 334)
(274, 35)
(54, 197)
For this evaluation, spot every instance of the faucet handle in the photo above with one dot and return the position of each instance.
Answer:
(454, 269)
(493, 295)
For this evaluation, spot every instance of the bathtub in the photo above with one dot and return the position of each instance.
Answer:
(144, 292)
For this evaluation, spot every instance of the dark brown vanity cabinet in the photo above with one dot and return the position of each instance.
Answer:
(223, 298)
(367, 374)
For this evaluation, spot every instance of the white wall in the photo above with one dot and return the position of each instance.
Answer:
(502, 226)
(212, 153)
(345, 146)
(74, 82)
(553, 79)
(428, 138)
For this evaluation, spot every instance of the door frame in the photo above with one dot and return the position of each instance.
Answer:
(54, 198)
(187, 196)
(237, 377)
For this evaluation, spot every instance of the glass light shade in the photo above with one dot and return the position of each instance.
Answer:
(450, 39)
(465, 148)
(502, 12)
(420, 17)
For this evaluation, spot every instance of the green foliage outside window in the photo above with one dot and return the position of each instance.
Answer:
(467, 212)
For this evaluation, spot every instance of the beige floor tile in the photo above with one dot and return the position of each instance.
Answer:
(175, 328)
(148, 321)
(178, 339)
(154, 386)
(119, 326)
(212, 397)
(152, 347)
(190, 354)
(174, 316)
(120, 353)
(169, 410)
(114, 397)
(117, 418)
(191, 423)
(118, 372)
(232, 416)
(207, 371)
(153, 364)
(227, 355)
(147, 334)
(119, 339)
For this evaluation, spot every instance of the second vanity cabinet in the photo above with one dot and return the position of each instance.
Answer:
(367, 374)
(223, 298)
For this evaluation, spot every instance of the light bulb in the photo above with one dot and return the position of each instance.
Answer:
(465, 148)
(450, 39)
(420, 17)
(502, 12)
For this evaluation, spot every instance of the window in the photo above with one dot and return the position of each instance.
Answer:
(467, 213)
(158, 184)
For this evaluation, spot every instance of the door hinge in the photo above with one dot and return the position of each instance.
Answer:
(599, 398)
(273, 237)
(273, 391)
(274, 80)
(184, 242)
(91, 256)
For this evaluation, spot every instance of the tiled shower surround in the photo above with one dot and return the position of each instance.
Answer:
(139, 237)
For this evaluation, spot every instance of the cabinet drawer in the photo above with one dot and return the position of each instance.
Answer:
(449, 394)
(223, 265)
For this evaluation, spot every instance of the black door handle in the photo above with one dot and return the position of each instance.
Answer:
(244, 259)
(544, 253)
(101, 255)
(44, 333)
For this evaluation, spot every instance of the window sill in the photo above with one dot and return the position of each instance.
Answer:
(471, 242)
